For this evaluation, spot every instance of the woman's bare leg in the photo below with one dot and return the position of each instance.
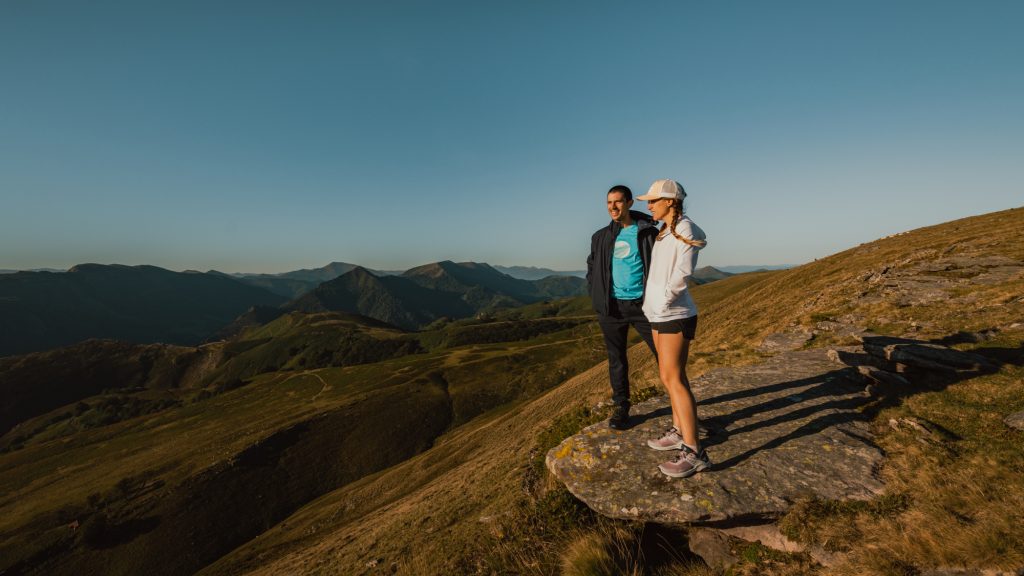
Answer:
(673, 351)
(671, 398)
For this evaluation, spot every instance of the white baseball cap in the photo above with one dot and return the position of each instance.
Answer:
(664, 189)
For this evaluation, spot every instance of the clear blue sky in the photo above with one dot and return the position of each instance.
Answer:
(269, 136)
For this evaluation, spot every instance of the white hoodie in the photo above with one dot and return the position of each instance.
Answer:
(672, 263)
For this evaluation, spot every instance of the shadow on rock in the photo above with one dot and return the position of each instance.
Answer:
(796, 426)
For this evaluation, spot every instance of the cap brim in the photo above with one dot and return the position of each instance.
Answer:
(649, 197)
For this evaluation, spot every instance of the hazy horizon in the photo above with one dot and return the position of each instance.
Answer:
(727, 267)
(260, 137)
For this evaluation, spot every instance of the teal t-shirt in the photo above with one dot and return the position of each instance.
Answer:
(627, 267)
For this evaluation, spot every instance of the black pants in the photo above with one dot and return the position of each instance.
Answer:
(615, 326)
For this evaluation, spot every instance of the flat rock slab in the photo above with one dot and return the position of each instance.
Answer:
(784, 341)
(777, 431)
(839, 329)
(1015, 420)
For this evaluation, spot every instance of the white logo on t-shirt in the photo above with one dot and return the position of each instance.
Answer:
(621, 249)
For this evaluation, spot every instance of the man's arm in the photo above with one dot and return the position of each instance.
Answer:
(590, 261)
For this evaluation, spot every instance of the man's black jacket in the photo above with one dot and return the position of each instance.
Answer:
(599, 263)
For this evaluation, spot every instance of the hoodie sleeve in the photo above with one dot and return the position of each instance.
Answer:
(686, 259)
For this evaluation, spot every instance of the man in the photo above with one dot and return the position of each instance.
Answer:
(620, 255)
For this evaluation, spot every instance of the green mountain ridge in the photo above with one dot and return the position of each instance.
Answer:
(148, 304)
(707, 274)
(431, 292)
(536, 273)
(297, 283)
(143, 304)
(392, 299)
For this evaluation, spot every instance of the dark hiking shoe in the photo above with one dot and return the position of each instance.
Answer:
(619, 419)
(686, 463)
(670, 440)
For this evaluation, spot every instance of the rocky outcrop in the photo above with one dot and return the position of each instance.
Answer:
(796, 426)
(784, 341)
(712, 546)
(715, 545)
(923, 355)
(839, 329)
(891, 365)
(778, 431)
(1015, 420)
(927, 277)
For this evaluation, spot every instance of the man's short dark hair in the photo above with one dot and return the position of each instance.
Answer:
(626, 192)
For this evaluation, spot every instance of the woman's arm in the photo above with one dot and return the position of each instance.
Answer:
(686, 260)
(685, 257)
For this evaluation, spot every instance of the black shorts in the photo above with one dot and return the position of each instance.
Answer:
(688, 326)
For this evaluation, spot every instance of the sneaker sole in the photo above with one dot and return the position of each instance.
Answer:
(686, 474)
(677, 446)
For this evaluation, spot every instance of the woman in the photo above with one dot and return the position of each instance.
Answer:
(673, 317)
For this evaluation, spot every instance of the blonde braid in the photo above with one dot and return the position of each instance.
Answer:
(677, 215)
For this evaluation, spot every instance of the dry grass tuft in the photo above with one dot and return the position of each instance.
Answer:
(590, 555)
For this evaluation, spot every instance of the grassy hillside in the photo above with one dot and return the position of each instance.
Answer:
(846, 286)
(313, 407)
(35, 384)
(99, 382)
(475, 502)
(561, 286)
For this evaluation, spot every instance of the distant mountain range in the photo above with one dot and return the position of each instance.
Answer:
(755, 268)
(42, 310)
(534, 273)
(299, 282)
(393, 299)
(335, 269)
(426, 293)
(8, 271)
(423, 294)
(709, 274)
(147, 304)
